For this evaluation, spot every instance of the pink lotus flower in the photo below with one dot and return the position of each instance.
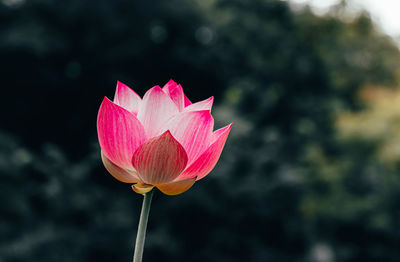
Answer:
(162, 140)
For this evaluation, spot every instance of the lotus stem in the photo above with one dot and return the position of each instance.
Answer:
(141, 233)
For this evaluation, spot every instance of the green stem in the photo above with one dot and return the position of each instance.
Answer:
(141, 234)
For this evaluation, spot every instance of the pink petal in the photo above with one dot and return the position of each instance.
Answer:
(175, 92)
(187, 101)
(193, 130)
(207, 161)
(202, 105)
(155, 109)
(119, 173)
(160, 160)
(127, 98)
(120, 133)
(177, 187)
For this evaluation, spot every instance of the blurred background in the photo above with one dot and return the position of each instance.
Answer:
(310, 172)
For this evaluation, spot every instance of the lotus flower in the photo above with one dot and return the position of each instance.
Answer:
(162, 140)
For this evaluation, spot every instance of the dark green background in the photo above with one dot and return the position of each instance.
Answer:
(286, 187)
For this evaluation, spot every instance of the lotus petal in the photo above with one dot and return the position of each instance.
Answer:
(187, 101)
(177, 187)
(120, 133)
(193, 131)
(202, 105)
(142, 188)
(175, 92)
(209, 158)
(127, 98)
(123, 175)
(156, 108)
(160, 160)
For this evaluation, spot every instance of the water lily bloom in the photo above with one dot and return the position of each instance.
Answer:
(162, 140)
